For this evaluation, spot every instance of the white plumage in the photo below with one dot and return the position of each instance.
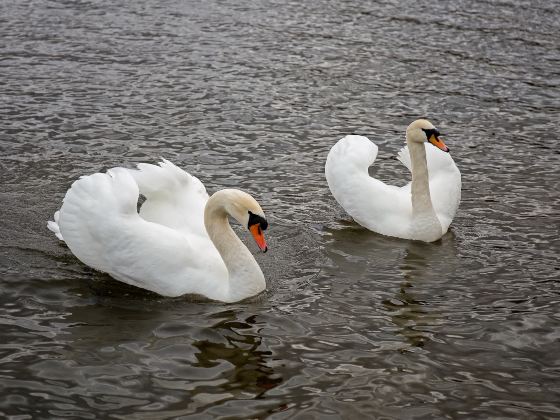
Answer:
(167, 248)
(390, 210)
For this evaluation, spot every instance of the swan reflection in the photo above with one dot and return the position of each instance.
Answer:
(162, 350)
(408, 273)
(412, 309)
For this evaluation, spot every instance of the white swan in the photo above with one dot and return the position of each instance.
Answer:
(421, 210)
(180, 243)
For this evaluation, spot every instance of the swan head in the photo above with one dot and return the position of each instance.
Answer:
(246, 210)
(422, 131)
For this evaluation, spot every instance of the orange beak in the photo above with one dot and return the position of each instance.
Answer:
(258, 234)
(438, 142)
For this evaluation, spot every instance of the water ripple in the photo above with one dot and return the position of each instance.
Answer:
(354, 325)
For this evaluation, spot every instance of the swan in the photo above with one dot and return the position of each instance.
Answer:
(180, 243)
(421, 210)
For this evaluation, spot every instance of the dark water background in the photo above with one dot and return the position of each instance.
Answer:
(253, 95)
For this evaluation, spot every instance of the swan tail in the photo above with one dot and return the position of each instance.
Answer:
(53, 225)
(93, 211)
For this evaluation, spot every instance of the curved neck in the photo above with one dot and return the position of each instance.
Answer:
(245, 278)
(421, 200)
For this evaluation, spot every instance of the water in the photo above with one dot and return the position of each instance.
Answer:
(253, 95)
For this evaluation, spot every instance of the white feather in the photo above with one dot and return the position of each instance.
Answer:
(384, 208)
(165, 248)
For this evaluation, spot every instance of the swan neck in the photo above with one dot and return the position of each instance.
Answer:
(245, 277)
(421, 199)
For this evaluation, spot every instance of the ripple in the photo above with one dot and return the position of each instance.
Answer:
(354, 325)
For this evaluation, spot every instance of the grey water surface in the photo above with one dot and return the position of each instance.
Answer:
(252, 95)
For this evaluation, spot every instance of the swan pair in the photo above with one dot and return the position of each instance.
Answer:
(181, 241)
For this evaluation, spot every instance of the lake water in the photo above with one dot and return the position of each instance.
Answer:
(253, 95)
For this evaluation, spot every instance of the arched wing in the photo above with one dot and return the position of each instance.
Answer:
(100, 224)
(371, 202)
(174, 198)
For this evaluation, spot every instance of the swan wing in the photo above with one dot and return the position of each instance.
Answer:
(445, 184)
(445, 181)
(380, 207)
(174, 198)
(404, 157)
(100, 224)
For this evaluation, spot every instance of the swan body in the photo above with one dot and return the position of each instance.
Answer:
(421, 210)
(180, 243)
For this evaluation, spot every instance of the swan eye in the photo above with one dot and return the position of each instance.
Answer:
(255, 219)
(431, 132)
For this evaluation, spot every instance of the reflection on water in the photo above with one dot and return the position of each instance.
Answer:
(253, 95)
(411, 268)
(415, 316)
(191, 364)
(251, 374)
